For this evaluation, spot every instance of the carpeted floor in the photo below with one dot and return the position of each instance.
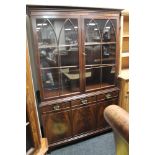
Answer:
(100, 145)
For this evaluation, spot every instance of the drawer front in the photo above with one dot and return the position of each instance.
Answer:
(107, 96)
(100, 97)
(55, 107)
(83, 101)
(91, 99)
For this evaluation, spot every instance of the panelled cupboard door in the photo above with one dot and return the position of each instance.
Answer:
(101, 122)
(84, 119)
(57, 126)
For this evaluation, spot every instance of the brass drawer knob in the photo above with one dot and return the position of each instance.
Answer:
(56, 107)
(84, 101)
(108, 96)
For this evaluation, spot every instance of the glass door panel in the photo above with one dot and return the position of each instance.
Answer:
(109, 54)
(70, 80)
(58, 51)
(68, 32)
(48, 57)
(109, 30)
(100, 52)
(69, 56)
(50, 82)
(93, 77)
(92, 31)
(108, 75)
(47, 42)
(92, 54)
(46, 33)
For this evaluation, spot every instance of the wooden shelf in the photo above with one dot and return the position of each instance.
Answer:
(124, 41)
(61, 67)
(55, 46)
(124, 74)
(99, 43)
(125, 35)
(125, 54)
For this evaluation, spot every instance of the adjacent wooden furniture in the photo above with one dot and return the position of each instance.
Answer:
(124, 41)
(77, 53)
(124, 90)
(118, 119)
(124, 61)
(35, 144)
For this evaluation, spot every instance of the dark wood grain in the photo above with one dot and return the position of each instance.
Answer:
(84, 119)
(57, 126)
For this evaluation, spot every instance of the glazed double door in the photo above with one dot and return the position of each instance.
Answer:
(76, 53)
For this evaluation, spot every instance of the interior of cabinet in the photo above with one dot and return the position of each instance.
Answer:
(73, 51)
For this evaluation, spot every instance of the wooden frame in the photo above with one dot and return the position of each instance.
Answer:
(40, 144)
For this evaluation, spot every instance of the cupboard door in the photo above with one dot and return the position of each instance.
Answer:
(58, 54)
(84, 119)
(101, 122)
(100, 51)
(57, 126)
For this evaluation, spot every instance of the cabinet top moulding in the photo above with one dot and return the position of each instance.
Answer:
(125, 13)
(35, 10)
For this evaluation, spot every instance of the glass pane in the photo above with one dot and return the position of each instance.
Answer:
(108, 54)
(92, 30)
(108, 75)
(93, 78)
(47, 42)
(93, 54)
(70, 80)
(68, 41)
(48, 57)
(50, 81)
(69, 57)
(45, 33)
(109, 30)
(68, 30)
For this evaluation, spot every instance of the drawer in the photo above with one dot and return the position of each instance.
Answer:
(55, 107)
(83, 101)
(100, 97)
(108, 95)
(115, 93)
(91, 99)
